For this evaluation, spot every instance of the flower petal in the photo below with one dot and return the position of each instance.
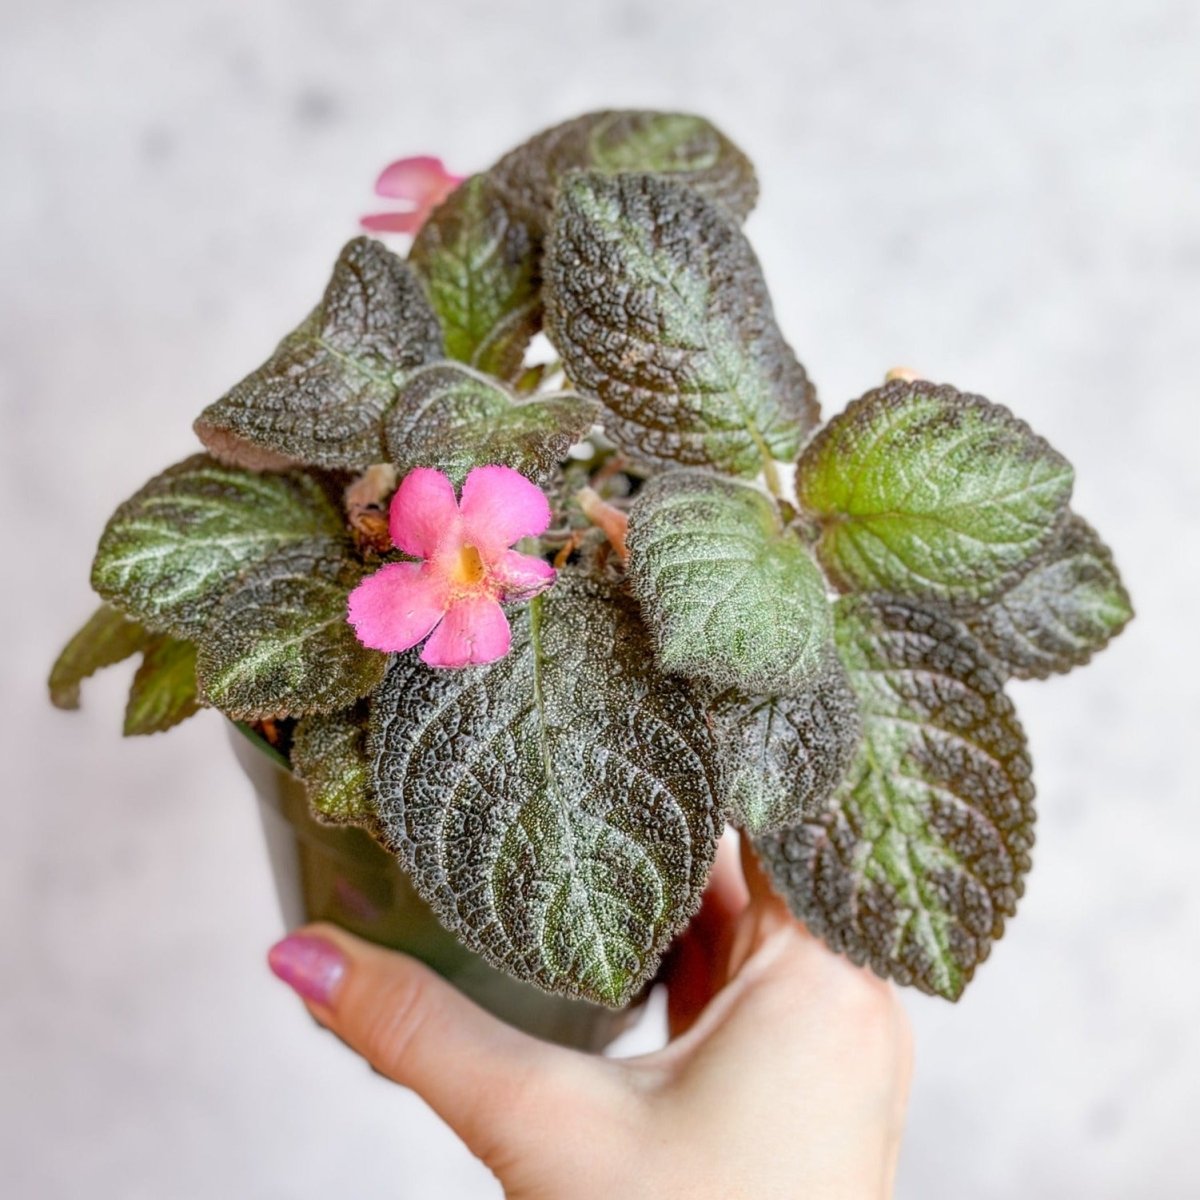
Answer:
(474, 631)
(423, 511)
(393, 222)
(522, 575)
(500, 506)
(397, 606)
(417, 179)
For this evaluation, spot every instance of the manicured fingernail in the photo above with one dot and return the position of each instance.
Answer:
(312, 966)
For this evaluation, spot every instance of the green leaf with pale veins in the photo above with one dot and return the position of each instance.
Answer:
(108, 637)
(163, 692)
(922, 490)
(480, 265)
(657, 305)
(1067, 606)
(787, 754)
(320, 397)
(170, 551)
(279, 644)
(730, 595)
(923, 851)
(453, 418)
(559, 809)
(329, 752)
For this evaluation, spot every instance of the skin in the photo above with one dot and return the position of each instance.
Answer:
(787, 1072)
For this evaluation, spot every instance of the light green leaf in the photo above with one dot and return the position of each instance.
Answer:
(925, 491)
(453, 418)
(279, 644)
(559, 808)
(657, 305)
(169, 552)
(922, 854)
(1069, 605)
(329, 752)
(163, 692)
(480, 265)
(320, 397)
(729, 594)
(108, 637)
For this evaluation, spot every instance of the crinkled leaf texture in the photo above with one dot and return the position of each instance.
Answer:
(657, 305)
(108, 637)
(279, 643)
(452, 418)
(329, 752)
(320, 397)
(559, 808)
(730, 595)
(163, 691)
(787, 754)
(480, 265)
(680, 146)
(921, 856)
(925, 491)
(170, 551)
(1070, 604)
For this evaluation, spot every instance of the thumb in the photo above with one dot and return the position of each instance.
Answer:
(489, 1082)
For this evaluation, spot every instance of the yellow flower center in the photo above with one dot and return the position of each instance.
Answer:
(467, 570)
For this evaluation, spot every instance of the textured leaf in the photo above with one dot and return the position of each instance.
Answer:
(480, 265)
(657, 305)
(279, 644)
(169, 552)
(453, 418)
(787, 754)
(558, 808)
(730, 595)
(925, 491)
(163, 692)
(922, 854)
(1069, 605)
(319, 398)
(679, 146)
(108, 637)
(329, 752)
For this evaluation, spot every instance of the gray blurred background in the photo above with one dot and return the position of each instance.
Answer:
(1004, 195)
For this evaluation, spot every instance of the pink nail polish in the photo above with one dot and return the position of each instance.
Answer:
(312, 966)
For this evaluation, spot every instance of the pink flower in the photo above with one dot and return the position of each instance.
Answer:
(453, 596)
(422, 183)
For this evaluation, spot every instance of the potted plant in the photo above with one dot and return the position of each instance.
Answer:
(506, 643)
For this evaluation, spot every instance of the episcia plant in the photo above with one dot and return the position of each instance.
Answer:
(545, 628)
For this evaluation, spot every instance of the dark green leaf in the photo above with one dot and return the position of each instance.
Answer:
(107, 638)
(453, 418)
(559, 808)
(319, 398)
(169, 552)
(925, 491)
(1069, 605)
(657, 305)
(729, 594)
(279, 644)
(164, 689)
(921, 857)
(329, 752)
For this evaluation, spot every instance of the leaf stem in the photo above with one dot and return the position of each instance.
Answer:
(610, 520)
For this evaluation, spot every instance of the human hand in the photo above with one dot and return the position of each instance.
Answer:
(787, 1071)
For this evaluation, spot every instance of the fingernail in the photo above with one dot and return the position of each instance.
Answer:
(311, 966)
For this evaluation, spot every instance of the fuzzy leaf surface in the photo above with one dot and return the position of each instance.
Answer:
(163, 691)
(170, 551)
(108, 637)
(329, 752)
(1070, 604)
(320, 397)
(559, 808)
(279, 644)
(657, 306)
(730, 595)
(925, 491)
(922, 854)
(453, 418)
